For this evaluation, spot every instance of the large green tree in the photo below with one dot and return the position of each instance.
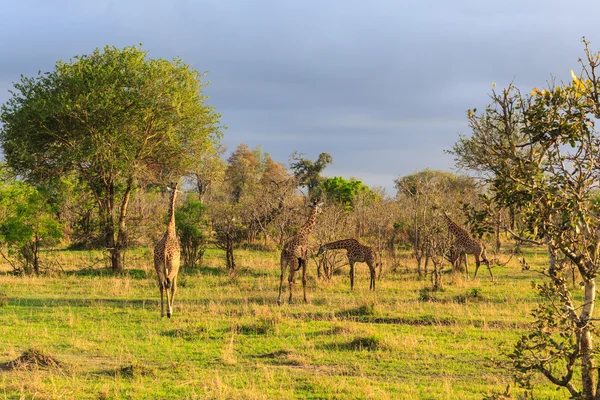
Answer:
(546, 152)
(345, 192)
(115, 117)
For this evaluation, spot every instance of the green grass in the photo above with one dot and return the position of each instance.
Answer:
(229, 340)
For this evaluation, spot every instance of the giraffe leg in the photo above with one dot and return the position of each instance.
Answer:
(489, 268)
(166, 289)
(372, 271)
(283, 268)
(173, 290)
(303, 262)
(162, 302)
(351, 275)
(291, 280)
(477, 264)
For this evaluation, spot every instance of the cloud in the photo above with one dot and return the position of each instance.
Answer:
(383, 85)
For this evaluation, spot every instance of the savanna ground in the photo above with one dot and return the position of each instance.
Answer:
(228, 339)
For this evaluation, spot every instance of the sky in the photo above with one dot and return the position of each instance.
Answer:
(383, 86)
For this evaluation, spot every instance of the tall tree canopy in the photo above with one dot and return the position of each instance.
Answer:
(114, 117)
(308, 172)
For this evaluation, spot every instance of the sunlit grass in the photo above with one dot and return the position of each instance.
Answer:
(229, 340)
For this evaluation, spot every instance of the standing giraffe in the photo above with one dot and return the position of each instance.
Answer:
(356, 252)
(166, 259)
(295, 252)
(464, 243)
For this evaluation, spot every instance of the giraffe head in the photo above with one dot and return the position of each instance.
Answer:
(322, 249)
(173, 186)
(316, 204)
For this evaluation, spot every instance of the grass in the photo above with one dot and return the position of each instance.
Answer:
(229, 340)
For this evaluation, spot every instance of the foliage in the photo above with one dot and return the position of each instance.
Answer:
(115, 118)
(421, 197)
(192, 226)
(27, 221)
(308, 172)
(229, 230)
(343, 192)
(546, 150)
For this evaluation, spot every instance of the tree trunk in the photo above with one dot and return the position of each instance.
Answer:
(121, 242)
(229, 259)
(36, 254)
(586, 343)
(497, 229)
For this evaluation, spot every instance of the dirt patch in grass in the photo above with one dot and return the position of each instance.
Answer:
(188, 333)
(283, 357)
(33, 359)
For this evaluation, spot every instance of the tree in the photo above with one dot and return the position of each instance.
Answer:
(308, 172)
(26, 222)
(345, 192)
(208, 170)
(243, 170)
(115, 118)
(192, 226)
(229, 230)
(421, 195)
(546, 166)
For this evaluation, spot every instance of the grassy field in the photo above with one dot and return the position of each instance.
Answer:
(104, 339)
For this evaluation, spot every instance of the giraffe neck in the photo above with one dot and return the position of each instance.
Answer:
(171, 225)
(306, 229)
(454, 228)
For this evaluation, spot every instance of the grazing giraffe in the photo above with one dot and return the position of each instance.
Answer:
(464, 243)
(356, 252)
(166, 259)
(295, 252)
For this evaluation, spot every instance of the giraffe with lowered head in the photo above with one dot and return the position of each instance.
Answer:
(356, 252)
(166, 259)
(464, 243)
(295, 252)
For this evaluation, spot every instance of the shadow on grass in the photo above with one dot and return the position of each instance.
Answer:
(281, 357)
(360, 343)
(131, 370)
(79, 302)
(148, 303)
(133, 273)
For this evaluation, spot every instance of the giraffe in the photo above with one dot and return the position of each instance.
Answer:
(464, 243)
(295, 252)
(166, 259)
(356, 252)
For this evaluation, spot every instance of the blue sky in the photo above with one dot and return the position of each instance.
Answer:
(383, 86)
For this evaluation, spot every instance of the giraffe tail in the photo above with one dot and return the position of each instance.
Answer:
(166, 272)
(299, 264)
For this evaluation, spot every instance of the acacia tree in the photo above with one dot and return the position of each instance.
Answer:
(547, 150)
(113, 117)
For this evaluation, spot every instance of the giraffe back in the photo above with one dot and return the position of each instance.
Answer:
(355, 251)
